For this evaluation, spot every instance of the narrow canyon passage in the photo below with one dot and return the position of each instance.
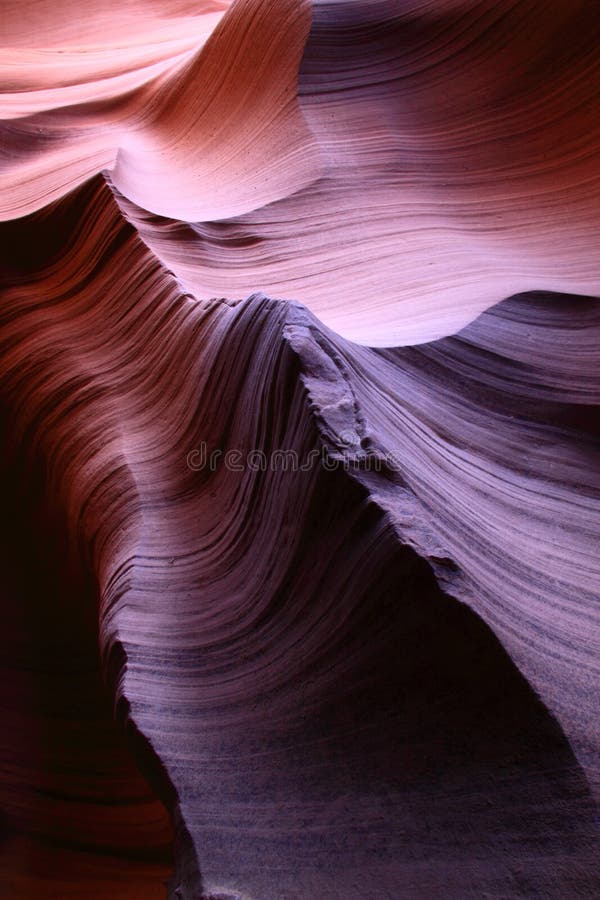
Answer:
(328, 722)
(299, 450)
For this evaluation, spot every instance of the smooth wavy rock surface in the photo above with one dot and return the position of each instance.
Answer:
(322, 716)
(396, 167)
(300, 596)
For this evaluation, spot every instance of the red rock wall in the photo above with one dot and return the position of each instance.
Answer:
(284, 616)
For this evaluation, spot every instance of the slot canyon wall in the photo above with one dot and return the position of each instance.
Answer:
(299, 395)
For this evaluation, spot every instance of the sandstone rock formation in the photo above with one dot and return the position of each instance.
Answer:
(300, 595)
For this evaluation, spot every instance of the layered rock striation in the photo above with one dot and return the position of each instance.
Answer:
(343, 597)
(300, 595)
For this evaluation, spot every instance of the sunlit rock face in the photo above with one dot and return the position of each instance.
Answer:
(300, 584)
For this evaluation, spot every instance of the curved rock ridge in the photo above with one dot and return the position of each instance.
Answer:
(53, 57)
(484, 449)
(77, 817)
(206, 134)
(345, 596)
(459, 144)
(398, 168)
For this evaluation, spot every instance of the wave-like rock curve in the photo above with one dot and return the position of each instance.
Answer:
(396, 168)
(320, 718)
(300, 595)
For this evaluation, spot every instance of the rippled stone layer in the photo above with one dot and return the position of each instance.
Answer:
(368, 676)
(284, 616)
(396, 167)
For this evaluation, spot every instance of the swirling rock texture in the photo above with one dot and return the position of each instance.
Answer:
(300, 595)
